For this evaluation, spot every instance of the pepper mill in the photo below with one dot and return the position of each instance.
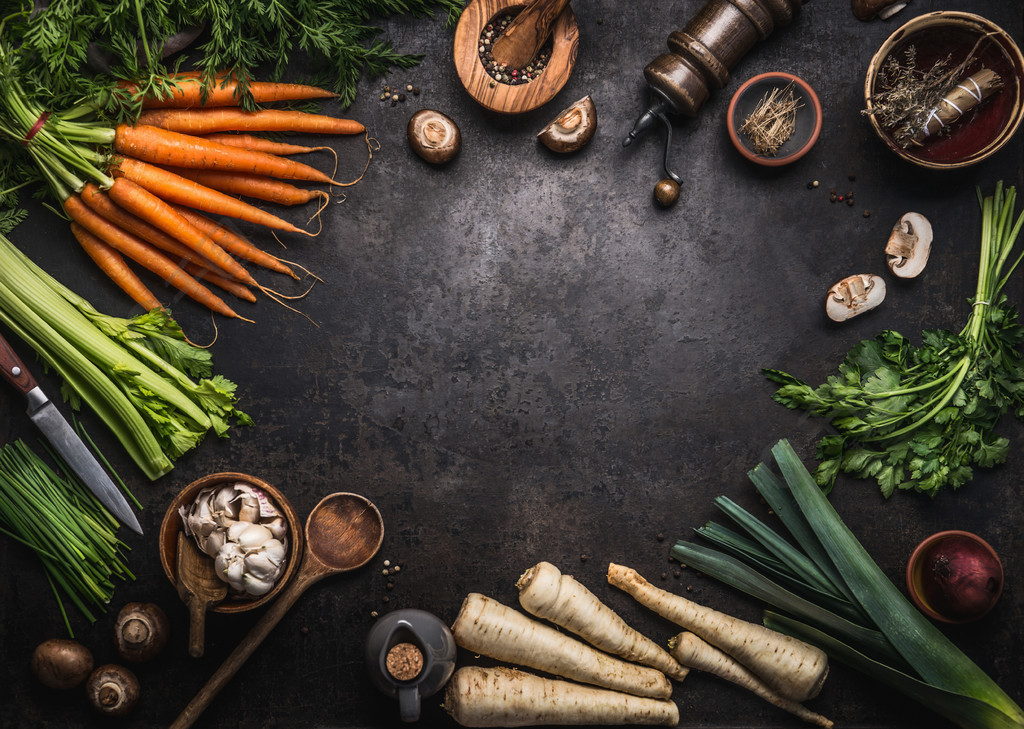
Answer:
(701, 57)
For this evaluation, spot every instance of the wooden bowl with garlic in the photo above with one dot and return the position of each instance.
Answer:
(245, 526)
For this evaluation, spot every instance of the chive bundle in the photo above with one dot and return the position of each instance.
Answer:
(62, 521)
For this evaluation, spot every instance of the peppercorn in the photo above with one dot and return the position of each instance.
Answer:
(849, 201)
(867, 213)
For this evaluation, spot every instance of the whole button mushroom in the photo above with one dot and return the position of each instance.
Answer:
(434, 136)
(854, 295)
(572, 128)
(140, 631)
(909, 245)
(112, 690)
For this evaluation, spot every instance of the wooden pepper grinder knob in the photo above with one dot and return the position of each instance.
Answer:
(702, 55)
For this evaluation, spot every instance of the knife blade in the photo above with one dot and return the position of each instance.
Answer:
(63, 438)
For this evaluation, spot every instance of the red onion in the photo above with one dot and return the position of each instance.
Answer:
(961, 577)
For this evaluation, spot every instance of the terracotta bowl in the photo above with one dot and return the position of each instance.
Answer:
(983, 130)
(171, 527)
(916, 574)
(808, 118)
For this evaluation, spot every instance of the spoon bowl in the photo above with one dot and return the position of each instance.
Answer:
(344, 531)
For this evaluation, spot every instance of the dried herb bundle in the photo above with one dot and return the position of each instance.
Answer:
(773, 120)
(908, 98)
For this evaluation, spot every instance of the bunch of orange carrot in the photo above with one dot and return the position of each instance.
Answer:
(190, 158)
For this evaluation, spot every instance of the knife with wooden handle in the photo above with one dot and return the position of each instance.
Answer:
(63, 438)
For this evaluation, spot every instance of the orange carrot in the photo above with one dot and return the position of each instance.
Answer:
(188, 92)
(144, 204)
(112, 263)
(205, 121)
(261, 144)
(160, 146)
(176, 189)
(145, 255)
(233, 287)
(249, 185)
(101, 203)
(234, 243)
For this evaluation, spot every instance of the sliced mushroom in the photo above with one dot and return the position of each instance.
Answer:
(868, 9)
(909, 245)
(572, 129)
(434, 136)
(854, 295)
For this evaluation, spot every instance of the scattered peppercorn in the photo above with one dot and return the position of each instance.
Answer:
(415, 90)
(676, 574)
(664, 575)
(583, 558)
(867, 213)
(849, 201)
(660, 537)
(408, 87)
(851, 177)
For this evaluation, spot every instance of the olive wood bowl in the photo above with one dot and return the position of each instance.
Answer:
(983, 130)
(506, 98)
(172, 526)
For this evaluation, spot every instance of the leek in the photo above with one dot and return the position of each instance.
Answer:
(883, 635)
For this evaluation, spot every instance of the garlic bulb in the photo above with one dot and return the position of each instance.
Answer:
(244, 532)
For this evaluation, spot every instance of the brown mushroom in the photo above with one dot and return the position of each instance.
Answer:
(61, 663)
(854, 295)
(112, 690)
(909, 245)
(140, 631)
(572, 128)
(434, 136)
(869, 9)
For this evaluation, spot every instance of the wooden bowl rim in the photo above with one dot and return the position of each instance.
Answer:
(914, 567)
(508, 99)
(171, 527)
(959, 19)
(805, 89)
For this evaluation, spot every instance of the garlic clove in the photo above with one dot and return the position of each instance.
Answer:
(255, 586)
(253, 537)
(214, 543)
(261, 566)
(277, 526)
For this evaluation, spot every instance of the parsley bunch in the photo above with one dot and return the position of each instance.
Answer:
(921, 417)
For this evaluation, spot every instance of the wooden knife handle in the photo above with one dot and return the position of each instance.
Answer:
(13, 370)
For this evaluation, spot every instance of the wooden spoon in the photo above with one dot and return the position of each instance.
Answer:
(199, 588)
(343, 532)
(524, 36)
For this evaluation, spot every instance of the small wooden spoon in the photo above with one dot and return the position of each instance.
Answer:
(343, 532)
(199, 588)
(524, 36)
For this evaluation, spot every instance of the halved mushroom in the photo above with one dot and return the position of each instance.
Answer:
(434, 136)
(572, 129)
(868, 9)
(909, 245)
(854, 295)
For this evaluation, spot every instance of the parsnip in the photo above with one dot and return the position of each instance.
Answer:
(546, 593)
(490, 628)
(796, 670)
(691, 651)
(486, 697)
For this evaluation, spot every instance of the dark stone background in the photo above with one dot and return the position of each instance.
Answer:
(520, 358)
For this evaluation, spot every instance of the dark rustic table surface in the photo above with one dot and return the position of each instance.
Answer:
(519, 357)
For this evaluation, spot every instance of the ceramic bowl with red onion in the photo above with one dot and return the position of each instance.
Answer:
(954, 577)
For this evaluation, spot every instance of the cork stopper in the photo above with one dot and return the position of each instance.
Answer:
(404, 661)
